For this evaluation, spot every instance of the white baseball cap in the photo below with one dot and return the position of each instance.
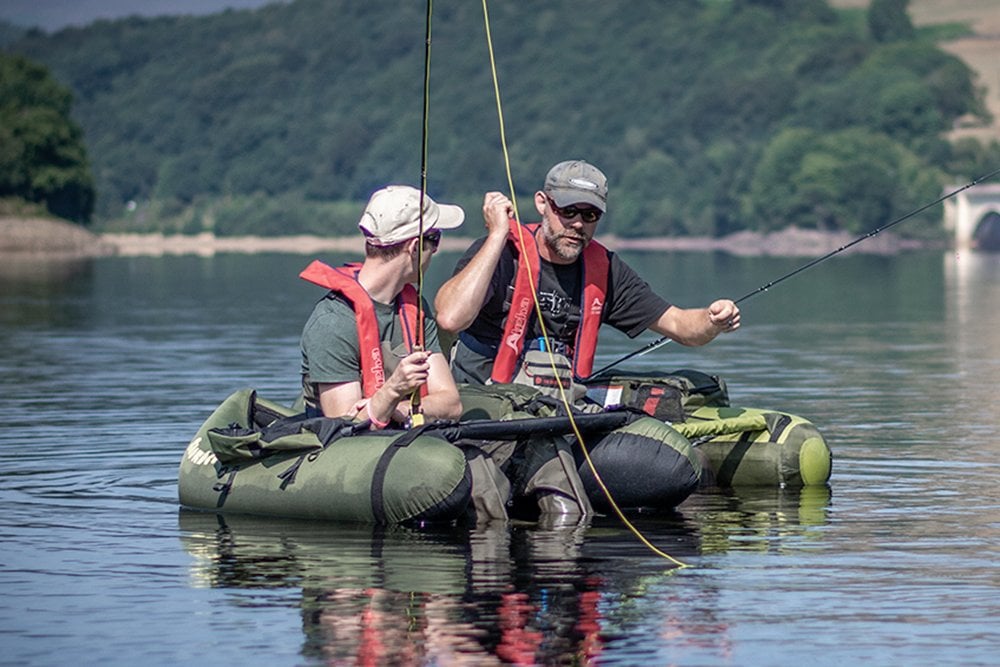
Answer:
(393, 215)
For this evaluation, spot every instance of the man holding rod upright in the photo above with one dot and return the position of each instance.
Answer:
(580, 285)
(361, 352)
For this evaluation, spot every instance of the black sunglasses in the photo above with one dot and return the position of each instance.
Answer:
(433, 238)
(589, 214)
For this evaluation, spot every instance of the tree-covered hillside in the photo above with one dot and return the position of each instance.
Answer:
(708, 116)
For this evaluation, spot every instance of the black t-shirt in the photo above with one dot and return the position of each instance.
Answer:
(631, 305)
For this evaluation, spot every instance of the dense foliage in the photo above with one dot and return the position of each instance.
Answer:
(42, 155)
(709, 116)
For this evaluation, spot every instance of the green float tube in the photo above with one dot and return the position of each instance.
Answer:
(737, 446)
(233, 465)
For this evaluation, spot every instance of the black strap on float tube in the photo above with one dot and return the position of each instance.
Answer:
(763, 288)
(382, 468)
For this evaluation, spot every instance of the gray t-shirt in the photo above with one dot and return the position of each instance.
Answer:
(330, 349)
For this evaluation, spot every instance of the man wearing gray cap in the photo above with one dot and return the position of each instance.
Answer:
(365, 350)
(580, 285)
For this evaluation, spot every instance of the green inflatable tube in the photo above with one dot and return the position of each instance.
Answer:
(752, 447)
(739, 447)
(372, 477)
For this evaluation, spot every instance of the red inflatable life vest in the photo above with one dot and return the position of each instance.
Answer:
(596, 267)
(344, 281)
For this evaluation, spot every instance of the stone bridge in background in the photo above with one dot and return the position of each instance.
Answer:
(974, 217)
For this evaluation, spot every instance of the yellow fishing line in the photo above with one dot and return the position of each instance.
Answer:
(538, 308)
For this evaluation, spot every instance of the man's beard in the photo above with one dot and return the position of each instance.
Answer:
(568, 251)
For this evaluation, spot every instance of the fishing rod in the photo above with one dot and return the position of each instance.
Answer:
(537, 427)
(416, 414)
(808, 265)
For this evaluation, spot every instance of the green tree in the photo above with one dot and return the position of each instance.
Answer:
(972, 159)
(42, 155)
(815, 10)
(854, 180)
(656, 214)
(888, 20)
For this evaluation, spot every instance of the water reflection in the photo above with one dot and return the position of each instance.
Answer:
(972, 284)
(495, 593)
(39, 292)
(27, 271)
(760, 519)
(395, 595)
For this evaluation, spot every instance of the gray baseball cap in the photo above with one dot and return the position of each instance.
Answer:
(577, 182)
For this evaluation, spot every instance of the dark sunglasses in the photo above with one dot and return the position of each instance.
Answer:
(589, 214)
(433, 238)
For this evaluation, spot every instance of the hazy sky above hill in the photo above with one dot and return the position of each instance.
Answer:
(50, 15)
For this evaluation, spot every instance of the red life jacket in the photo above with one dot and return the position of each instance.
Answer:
(596, 267)
(344, 281)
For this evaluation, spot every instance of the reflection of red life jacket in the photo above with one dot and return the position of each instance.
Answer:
(589, 623)
(518, 644)
(372, 650)
(344, 281)
(596, 266)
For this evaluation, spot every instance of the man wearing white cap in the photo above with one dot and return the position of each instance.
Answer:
(580, 285)
(365, 348)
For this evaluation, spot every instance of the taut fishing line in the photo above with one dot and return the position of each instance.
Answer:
(538, 313)
(808, 265)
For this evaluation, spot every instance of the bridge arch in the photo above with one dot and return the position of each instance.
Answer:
(987, 233)
(973, 213)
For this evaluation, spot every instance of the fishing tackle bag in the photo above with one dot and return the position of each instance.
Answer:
(669, 397)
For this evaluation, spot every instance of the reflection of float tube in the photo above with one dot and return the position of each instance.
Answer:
(242, 551)
(755, 518)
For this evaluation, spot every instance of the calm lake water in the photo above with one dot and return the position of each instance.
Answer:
(107, 368)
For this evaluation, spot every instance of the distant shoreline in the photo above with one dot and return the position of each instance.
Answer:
(51, 237)
(788, 242)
